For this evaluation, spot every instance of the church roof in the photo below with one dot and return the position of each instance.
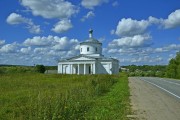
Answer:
(102, 58)
(91, 39)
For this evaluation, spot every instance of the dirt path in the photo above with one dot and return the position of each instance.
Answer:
(150, 103)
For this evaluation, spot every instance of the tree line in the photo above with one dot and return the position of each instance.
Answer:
(172, 70)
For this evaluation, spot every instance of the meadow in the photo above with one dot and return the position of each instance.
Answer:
(34, 96)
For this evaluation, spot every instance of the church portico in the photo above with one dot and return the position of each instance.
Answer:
(90, 60)
(77, 68)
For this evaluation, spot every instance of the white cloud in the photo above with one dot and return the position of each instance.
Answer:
(41, 50)
(134, 41)
(39, 41)
(90, 14)
(64, 44)
(34, 28)
(25, 50)
(112, 50)
(112, 32)
(129, 27)
(171, 47)
(2, 42)
(9, 48)
(173, 20)
(52, 42)
(153, 20)
(90, 4)
(50, 8)
(146, 59)
(115, 3)
(62, 26)
(15, 18)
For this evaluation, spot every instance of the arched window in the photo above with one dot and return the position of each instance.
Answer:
(96, 49)
(81, 49)
(87, 48)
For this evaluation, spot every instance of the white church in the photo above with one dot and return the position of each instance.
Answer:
(90, 60)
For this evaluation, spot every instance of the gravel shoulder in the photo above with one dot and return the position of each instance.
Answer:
(150, 103)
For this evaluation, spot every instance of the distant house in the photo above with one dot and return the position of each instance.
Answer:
(124, 69)
(90, 60)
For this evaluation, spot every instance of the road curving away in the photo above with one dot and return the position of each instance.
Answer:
(150, 102)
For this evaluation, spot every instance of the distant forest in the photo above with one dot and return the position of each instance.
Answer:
(172, 70)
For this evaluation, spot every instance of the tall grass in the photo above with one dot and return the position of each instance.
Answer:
(35, 96)
(115, 105)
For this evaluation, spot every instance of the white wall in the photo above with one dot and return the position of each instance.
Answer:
(92, 49)
(101, 67)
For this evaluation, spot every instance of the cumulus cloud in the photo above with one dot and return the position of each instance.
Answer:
(2, 42)
(90, 4)
(90, 14)
(64, 44)
(15, 19)
(171, 47)
(50, 8)
(129, 27)
(173, 20)
(52, 42)
(39, 41)
(39, 50)
(134, 41)
(146, 59)
(25, 50)
(62, 26)
(8, 48)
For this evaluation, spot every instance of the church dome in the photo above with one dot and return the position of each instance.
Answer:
(91, 46)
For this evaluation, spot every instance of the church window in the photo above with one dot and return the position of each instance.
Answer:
(81, 49)
(87, 48)
(96, 49)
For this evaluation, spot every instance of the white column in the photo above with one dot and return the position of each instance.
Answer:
(78, 69)
(110, 70)
(91, 68)
(70, 68)
(94, 68)
(84, 69)
(62, 68)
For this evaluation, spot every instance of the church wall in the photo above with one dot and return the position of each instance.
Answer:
(92, 49)
(102, 68)
(115, 67)
(81, 69)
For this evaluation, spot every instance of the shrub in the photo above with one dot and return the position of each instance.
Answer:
(40, 68)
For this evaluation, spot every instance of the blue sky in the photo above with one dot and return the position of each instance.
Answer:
(133, 31)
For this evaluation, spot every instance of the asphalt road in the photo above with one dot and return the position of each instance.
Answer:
(154, 98)
(170, 86)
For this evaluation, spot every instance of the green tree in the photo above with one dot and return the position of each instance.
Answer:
(40, 68)
(173, 68)
(178, 65)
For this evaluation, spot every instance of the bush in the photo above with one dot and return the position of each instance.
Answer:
(40, 68)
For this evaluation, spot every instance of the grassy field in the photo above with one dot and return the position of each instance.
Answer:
(35, 96)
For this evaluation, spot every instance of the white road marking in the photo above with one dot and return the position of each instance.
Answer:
(169, 81)
(162, 89)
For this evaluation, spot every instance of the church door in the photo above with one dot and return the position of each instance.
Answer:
(76, 69)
